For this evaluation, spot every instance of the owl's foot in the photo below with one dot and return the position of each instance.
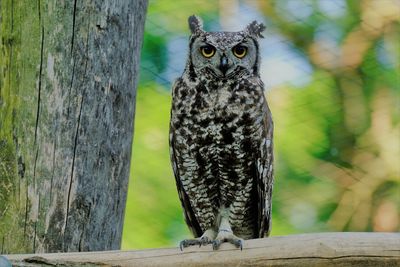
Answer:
(206, 238)
(189, 242)
(227, 236)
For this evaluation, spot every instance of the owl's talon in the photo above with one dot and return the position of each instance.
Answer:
(216, 244)
(188, 242)
(182, 244)
(227, 236)
(238, 243)
(205, 240)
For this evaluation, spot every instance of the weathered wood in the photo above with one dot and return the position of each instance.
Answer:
(67, 99)
(327, 249)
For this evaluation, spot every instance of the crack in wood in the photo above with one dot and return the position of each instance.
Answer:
(53, 169)
(81, 239)
(332, 258)
(70, 87)
(26, 209)
(34, 238)
(73, 27)
(87, 44)
(40, 261)
(89, 209)
(12, 15)
(73, 162)
(39, 11)
(85, 69)
(39, 86)
(34, 167)
(35, 229)
(10, 43)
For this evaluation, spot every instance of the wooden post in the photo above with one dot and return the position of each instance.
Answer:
(67, 99)
(326, 249)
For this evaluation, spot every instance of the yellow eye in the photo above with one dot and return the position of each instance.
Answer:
(207, 51)
(239, 51)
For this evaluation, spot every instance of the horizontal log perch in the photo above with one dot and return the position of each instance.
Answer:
(321, 249)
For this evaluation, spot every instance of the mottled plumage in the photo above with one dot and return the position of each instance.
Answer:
(221, 138)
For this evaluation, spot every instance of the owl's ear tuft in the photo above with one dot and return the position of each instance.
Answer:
(255, 29)
(195, 24)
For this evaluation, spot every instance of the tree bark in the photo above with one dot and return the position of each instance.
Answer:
(69, 72)
(325, 250)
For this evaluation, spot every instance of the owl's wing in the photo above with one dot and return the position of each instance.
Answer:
(190, 217)
(264, 170)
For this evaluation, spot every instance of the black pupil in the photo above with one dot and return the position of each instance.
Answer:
(207, 50)
(240, 50)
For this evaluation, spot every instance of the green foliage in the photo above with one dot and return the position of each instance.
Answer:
(153, 208)
(156, 46)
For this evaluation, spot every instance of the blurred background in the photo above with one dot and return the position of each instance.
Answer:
(331, 69)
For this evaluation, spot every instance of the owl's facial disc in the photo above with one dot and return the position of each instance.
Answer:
(223, 54)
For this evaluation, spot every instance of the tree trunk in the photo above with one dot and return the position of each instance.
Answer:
(67, 101)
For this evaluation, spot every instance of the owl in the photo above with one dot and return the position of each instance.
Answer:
(221, 132)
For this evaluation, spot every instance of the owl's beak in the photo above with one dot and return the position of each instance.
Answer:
(224, 66)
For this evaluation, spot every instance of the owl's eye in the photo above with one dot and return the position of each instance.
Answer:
(207, 51)
(239, 51)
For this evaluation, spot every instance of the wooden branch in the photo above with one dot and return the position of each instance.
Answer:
(323, 249)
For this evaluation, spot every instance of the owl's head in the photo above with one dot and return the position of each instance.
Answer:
(224, 54)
